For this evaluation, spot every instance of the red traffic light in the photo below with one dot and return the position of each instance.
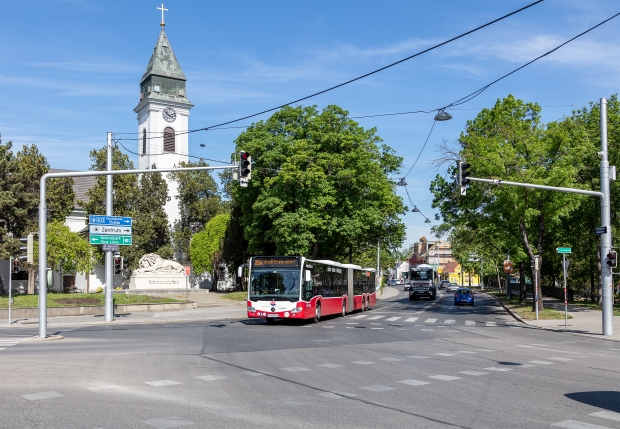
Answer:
(16, 266)
(612, 259)
(244, 155)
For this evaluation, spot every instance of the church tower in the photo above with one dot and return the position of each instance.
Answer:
(163, 113)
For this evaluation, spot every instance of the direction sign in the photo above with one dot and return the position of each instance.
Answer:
(110, 248)
(243, 182)
(109, 230)
(564, 250)
(119, 240)
(109, 220)
(600, 230)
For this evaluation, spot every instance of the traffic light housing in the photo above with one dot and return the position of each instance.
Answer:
(461, 177)
(612, 259)
(124, 263)
(118, 264)
(16, 266)
(245, 165)
(28, 248)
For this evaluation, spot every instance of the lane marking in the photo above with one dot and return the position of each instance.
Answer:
(295, 369)
(375, 317)
(560, 359)
(377, 388)
(360, 316)
(573, 424)
(444, 377)
(430, 320)
(470, 323)
(610, 415)
(474, 373)
(449, 322)
(541, 362)
(42, 395)
(160, 383)
(490, 323)
(412, 319)
(413, 382)
(211, 377)
(393, 319)
(444, 354)
(494, 368)
(419, 357)
(331, 365)
(363, 362)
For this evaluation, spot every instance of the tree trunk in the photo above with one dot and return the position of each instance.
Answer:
(499, 282)
(315, 249)
(522, 285)
(31, 274)
(535, 277)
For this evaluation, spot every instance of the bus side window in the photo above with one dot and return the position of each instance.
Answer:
(307, 292)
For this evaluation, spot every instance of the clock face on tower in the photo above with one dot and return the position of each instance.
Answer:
(169, 115)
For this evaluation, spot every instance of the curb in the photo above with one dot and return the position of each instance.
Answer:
(510, 311)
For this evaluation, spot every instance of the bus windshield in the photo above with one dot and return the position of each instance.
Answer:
(274, 285)
(422, 275)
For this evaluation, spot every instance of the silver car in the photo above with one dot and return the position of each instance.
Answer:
(452, 287)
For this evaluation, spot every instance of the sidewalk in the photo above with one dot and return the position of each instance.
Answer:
(585, 321)
(388, 292)
(211, 306)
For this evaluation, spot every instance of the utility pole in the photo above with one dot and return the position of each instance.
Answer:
(606, 269)
(109, 274)
(508, 286)
(378, 266)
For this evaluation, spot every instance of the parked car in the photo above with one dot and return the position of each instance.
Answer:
(407, 284)
(444, 284)
(392, 282)
(452, 287)
(464, 296)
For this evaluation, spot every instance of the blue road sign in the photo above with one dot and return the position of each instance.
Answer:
(109, 220)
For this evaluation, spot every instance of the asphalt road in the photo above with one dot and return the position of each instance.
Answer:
(404, 364)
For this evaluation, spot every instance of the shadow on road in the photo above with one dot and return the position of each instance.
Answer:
(609, 400)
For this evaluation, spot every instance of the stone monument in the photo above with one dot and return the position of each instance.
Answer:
(157, 273)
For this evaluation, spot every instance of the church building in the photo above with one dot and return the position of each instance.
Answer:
(163, 113)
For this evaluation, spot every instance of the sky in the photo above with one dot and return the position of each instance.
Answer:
(70, 69)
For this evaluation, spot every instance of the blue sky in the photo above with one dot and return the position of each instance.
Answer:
(71, 68)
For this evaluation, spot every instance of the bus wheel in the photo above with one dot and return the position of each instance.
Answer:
(344, 308)
(317, 313)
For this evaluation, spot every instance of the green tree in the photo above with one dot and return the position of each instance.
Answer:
(319, 186)
(199, 202)
(206, 246)
(151, 230)
(66, 250)
(508, 142)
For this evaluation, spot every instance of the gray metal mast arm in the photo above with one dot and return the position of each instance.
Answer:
(531, 185)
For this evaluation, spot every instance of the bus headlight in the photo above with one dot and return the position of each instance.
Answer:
(251, 309)
(296, 310)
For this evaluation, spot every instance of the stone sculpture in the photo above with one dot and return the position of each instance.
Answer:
(153, 263)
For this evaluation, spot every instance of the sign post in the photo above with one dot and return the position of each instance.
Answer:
(565, 263)
(188, 270)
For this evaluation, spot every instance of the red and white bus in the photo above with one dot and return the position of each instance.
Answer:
(293, 287)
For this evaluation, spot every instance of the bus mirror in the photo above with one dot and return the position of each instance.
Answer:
(308, 276)
(240, 271)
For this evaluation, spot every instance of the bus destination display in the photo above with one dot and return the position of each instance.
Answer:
(273, 262)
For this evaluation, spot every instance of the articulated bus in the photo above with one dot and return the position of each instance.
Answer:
(293, 287)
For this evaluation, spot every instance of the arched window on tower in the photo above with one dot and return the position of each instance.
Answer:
(169, 140)
(143, 141)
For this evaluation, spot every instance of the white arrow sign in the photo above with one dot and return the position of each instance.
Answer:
(109, 230)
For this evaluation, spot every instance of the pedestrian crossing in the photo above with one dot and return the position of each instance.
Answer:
(574, 424)
(6, 342)
(435, 321)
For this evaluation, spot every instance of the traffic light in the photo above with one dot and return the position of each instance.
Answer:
(612, 259)
(462, 174)
(118, 264)
(125, 263)
(16, 266)
(245, 165)
(29, 248)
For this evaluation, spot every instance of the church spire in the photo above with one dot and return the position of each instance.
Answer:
(163, 61)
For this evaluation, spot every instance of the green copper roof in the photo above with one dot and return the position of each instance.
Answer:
(163, 62)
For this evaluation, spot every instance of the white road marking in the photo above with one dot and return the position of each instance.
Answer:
(295, 369)
(331, 365)
(160, 383)
(573, 424)
(444, 377)
(392, 359)
(328, 327)
(490, 323)
(211, 377)
(413, 382)
(360, 316)
(363, 362)
(375, 317)
(610, 415)
(376, 328)
(430, 320)
(475, 373)
(377, 388)
(393, 319)
(541, 362)
(444, 354)
(352, 323)
(494, 368)
(467, 352)
(411, 319)
(334, 395)
(449, 322)
(42, 395)
(419, 357)
(559, 359)
(426, 329)
(470, 323)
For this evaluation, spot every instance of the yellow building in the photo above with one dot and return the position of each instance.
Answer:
(452, 272)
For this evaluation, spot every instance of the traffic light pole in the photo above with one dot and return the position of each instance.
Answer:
(604, 195)
(43, 223)
(10, 285)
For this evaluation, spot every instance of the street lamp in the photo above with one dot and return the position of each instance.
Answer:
(442, 115)
(415, 209)
(401, 182)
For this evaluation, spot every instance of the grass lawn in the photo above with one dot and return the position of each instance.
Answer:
(525, 312)
(80, 299)
(594, 306)
(236, 296)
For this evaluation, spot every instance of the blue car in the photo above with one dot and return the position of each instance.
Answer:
(463, 296)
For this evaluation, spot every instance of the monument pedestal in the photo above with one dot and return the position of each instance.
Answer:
(157, 281)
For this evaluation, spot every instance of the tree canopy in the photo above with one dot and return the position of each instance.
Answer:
(206, 245)
(319, 186)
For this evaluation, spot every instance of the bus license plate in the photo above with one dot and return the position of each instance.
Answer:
(272, 315)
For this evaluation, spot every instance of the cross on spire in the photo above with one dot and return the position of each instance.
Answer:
(162, 14)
